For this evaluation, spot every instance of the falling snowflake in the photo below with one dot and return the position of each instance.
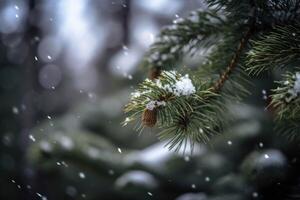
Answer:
(31, 137)
(119, 150)
(207, 179)
(15, 110)
(255, 194)
(267, 156)
(187, 159)
(81, 175)
(111, 172)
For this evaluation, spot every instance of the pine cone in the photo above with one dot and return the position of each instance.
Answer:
(149, 117)
(154, 73)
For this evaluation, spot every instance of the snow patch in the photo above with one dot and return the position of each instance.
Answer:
(296, 88)
(297, 83)
(153, 104)
(184, 87)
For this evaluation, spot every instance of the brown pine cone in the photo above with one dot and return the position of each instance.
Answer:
(149, 117)
(154, 73)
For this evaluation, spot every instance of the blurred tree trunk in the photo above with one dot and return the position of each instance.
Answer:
(28, 89)
(122, 16)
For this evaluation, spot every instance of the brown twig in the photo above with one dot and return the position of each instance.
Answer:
(234, 61)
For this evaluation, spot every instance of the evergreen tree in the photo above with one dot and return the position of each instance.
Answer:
(242, 40)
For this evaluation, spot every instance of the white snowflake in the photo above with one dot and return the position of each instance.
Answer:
(31, 137)
(81, 175)
(119, 150)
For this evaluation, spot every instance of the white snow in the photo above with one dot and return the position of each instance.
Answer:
(153, 104)
(297, 83)
(296, 88)
(138, 94)
(135, 94)
(150, 105)
(184, 87)
(179, 86)
(127, 119)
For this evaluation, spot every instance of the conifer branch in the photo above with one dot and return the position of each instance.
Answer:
(278, 49)
(194, 117)
(195, 113)
(201, 28)
(286, 104)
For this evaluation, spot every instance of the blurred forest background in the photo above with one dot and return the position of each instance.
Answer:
(68, 68)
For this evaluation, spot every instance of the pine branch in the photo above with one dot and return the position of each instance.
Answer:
(183, 117)
(285, 98)
(290, 128)
(202, 28)
(280, 48)
(286, 103)
(234, 6)
(188, 118)
(278, 12)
